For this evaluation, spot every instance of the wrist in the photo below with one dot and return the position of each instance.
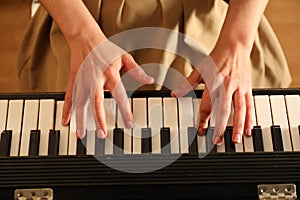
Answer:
(85, 32)
(85, 38)
(235, 43)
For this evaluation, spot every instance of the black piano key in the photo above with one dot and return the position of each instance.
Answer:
(34, 143)
(5, 143)
(299, 129)
(210, 146)
(229, 144)
(146, 140)
(99, 146)
(192, 138)
(257, 139)
(81, 146)
(118, 141)
(53, 147)
(165, 138)
(277, 138)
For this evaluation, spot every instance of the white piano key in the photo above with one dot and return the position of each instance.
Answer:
(293, 110)
(155, 117)
(46, 122)
(212, 123)
(248, 141)
(34, 7)
(200, 139)
(14, 122)
(186, 119)
(171, 121)
(3, 114)
(90, 132)
(90, 141)
(64, 130)
(279, 116)
(264, 119)
(127, 133)
(139, 106)
(72, 135)
(238, 147)
(110, 112)
(30, 122)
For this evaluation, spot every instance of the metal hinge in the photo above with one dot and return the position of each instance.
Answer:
(277, 191)
(34, 194)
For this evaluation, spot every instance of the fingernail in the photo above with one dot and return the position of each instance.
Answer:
(216, 140)
(173, 94)
(64, 121)
(129, 124)
(79, 133)
(148, 79)
(201, 131)
(248, 132)
(237, 138)
(101, 134)
(220, 141)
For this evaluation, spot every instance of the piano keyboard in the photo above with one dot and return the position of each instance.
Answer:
(31, 125)
(36, 150)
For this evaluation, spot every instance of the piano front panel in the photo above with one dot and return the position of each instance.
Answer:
(167, 120)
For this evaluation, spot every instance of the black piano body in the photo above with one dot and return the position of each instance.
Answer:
(229, 175)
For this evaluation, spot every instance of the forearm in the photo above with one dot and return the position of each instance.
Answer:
(241, 22)
(73, 19)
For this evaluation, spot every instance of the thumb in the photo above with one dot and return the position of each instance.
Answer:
(190, 83)
(135, 71)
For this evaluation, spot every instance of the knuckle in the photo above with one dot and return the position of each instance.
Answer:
(110, 71)
(204, 110)
(239, 127)
(219, 132)
(203, 122)
(224, 110)
(240, 106)
(101, 121)
(127, 56)
(97, 98)
(249, 106)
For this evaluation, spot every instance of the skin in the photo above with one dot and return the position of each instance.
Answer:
(231, 55)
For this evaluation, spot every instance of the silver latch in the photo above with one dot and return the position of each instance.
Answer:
(34, 194)
(277, 191)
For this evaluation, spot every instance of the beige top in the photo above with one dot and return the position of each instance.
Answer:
(43, 62)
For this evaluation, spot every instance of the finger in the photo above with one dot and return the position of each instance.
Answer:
(204, 113)
(239, 104)
(135, 71)
(68, 104)
(99, 111)
(81, 97)
(191, 82)
(223, 104)
(67, 108)
(116, 88)
(249, 121)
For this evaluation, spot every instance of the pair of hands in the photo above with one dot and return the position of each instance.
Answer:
(230, 82)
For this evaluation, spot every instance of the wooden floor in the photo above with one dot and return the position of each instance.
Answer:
(283, 15)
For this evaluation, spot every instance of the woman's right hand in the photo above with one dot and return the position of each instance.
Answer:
(95, 67)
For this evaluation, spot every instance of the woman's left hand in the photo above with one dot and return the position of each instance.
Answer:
(226, 74)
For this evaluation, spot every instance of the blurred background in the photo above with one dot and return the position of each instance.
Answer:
(284, 16)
